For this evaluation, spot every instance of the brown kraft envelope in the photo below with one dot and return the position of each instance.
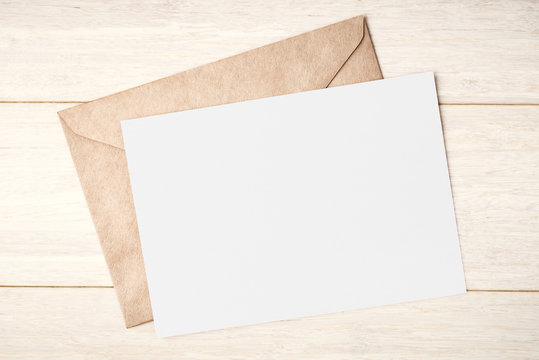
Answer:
(337, 54)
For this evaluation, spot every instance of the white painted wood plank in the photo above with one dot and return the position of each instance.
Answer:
(482, 51)
(46, 232)
(47, 237)
(86, 323)
(493, 155)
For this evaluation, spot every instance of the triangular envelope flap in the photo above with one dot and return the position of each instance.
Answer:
(304, 62)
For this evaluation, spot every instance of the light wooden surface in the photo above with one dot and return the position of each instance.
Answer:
(486, 58)
(496, 326)
(482, 51)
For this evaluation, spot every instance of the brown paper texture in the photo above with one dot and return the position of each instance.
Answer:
(334, 55)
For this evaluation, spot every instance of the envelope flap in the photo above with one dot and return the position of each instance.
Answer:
(304, 62)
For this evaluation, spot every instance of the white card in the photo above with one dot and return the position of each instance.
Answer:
(296, 205)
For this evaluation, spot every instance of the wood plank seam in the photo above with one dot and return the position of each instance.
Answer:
(111, 287)
(78, 102)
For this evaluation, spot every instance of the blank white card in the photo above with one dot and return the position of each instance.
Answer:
(296, 205)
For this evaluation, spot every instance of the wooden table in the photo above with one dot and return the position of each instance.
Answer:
(56, 299)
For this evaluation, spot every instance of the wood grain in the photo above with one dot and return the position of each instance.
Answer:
(493, 152)
(39, 323)
(47, 236)
(482, 51)
(493, 155)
